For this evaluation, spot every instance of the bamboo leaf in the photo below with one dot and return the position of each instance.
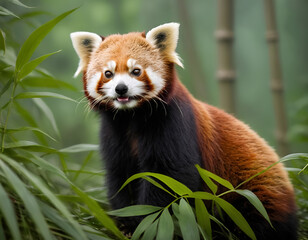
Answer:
(48, 113)
(150, 232)
(7, 210)
(236, 217)
(32, 146)
(6, 86)
(207, 180)
(187, 221)
(98, 213)
(218, 179)
(47, 193)
(254, 200)
(202, 195)
(143, 225)
(34, 40)
(165, 229)
(17, 2)
(46, 82)
(80, 148)
(173, 184)
(30, 66)
(6, 12)
(135, 210)
(2, 42)
(203, 218)
(22, 129)
(42, 95)
(29, 201)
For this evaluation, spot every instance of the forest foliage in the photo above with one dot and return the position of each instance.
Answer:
(49, 191)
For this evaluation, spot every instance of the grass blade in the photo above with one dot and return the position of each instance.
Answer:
(46, 82)
(17, 2)
(165, 229)
(29, 201)
(7, 210)
(35, 39)
(135, 210)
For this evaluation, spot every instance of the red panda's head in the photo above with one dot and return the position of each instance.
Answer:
(123, 71)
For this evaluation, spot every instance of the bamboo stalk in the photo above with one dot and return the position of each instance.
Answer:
(276, 77)
(195, 68)
(225, 72)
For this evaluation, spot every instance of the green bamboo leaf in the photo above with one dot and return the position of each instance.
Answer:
(6, 86)
(22, 129)
(34, 40)
(48, 113)
(80, 148)
(26, 115)
(84, 164)
(236, 217)
(207, 180)
(29, 201)
(46, 82)
(218, 179)
(135, 210)
(187, 221)
(165, 229)
(47, 193)
(7, 210)
(32, 146)
(203, 218)
(2, 41)
(202, 195)
(42, 95)
(98, 213)
(254, 200)
(30, 66)
(143, 225)
(6, 12)
(17, 2)
(150, 232)
(173, 184)
(60, 221)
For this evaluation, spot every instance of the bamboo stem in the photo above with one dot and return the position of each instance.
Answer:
(276, 77)
(195, 68)
(225, 72)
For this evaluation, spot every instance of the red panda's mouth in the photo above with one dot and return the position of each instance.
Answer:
(123, 99)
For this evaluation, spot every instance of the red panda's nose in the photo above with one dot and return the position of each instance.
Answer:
(121, 89)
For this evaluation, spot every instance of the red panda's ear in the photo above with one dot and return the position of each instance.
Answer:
(84, 44)
(165, 37)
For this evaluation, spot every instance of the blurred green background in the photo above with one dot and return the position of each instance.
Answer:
(253, 95)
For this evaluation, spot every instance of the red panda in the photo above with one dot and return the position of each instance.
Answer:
(150, 122)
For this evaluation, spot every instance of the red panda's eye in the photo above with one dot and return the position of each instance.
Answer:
(108, 74)
(136, 72)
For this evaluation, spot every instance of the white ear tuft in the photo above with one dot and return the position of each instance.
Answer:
(84, 44)
(165, 38)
